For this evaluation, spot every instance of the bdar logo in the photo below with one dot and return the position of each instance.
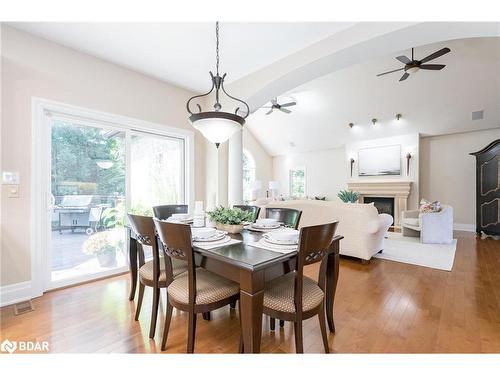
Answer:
(8, 346)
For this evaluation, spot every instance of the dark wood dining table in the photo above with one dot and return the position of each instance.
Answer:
(251, 267)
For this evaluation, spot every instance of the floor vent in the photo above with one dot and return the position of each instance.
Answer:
(23, 307)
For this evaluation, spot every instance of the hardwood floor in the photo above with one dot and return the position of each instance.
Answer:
(382, 307)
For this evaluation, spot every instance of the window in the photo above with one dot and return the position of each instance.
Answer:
(298, 182)
(248, 175)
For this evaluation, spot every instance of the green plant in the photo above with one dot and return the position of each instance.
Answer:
(233, 216)
(113, 216)
(140, 209)
(348, 196)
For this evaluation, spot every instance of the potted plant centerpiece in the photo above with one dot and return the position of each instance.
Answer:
(348, 196)
(229, 219)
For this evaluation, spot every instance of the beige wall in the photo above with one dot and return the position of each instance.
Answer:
(325, 171)
(448, 172)
(35, 67)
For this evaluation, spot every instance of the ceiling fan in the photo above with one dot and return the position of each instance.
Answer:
(413, 65)
(281, 107)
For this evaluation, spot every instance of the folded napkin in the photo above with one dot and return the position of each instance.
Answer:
(214, 244)
(285, 249)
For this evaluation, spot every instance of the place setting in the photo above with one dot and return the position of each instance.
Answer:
(264, 225)
(180, 218)
(211, 238)
(283, 240)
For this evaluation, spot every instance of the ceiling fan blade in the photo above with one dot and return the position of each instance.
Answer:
(432, 66)
(436, 54)
(392, 71)
(288, 104)
(269, 112)
(285, 110)
(403, 59)
(404, 76)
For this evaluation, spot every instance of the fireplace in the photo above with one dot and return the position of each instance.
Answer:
(382, 204)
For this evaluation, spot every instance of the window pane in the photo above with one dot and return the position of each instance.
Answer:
(157, 172)
(297, 182)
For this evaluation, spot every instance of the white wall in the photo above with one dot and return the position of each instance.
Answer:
(409, 144)
(35, 67)
(325, 171)
(448, 172)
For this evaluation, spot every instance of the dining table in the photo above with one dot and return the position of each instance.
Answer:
(251, 267)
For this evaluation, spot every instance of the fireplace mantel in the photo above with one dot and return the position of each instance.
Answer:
(399, 190)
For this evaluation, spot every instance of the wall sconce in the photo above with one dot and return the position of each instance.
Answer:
(408, 157)
(351, 125)
(352, 163)
(398, 116)
(374, 121)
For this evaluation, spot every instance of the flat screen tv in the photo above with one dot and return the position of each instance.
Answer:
(380, 161)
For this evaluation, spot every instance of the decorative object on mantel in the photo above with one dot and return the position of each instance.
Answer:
(217, 126)
(351, 161)
(230, 219)
(408, 157)
(348, 196)
(488, 189)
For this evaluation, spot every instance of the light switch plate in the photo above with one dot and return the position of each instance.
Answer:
(10, 178)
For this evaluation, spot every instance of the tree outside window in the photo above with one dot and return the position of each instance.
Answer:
(248, 175)
(298, 182)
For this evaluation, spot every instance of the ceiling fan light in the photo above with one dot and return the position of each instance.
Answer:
(413, 70)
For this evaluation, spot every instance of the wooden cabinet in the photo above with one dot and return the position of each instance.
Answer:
(488, 189)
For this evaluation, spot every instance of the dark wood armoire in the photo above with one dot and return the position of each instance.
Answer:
(488, 189)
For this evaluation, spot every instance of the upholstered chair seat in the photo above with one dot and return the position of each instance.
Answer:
(210, 288)
(146, 271)
(279, 294)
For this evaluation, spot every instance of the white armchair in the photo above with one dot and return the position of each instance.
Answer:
(433, 227)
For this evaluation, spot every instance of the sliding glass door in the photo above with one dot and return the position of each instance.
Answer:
(98, 173)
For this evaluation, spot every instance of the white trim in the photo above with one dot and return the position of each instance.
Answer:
(14, 293)
(42, 110)
(464, 227)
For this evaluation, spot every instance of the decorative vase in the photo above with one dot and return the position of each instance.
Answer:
(230, 228)
(107, 258)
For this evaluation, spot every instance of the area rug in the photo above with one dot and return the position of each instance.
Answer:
(410, 250)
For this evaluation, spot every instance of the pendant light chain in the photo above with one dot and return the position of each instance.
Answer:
(217, 46)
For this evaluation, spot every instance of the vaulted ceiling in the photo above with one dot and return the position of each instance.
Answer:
(431, 102)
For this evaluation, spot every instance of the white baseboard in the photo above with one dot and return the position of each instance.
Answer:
(464, 227)
(14, 293)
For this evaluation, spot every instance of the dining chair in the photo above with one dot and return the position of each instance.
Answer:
(255, 210)
(165, 211)
(151, 273)
(288, 216)
(295, 297)
(195, 291)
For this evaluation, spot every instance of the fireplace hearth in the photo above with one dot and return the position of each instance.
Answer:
(384, 205)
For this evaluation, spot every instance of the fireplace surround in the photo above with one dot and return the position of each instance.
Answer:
(397, 190)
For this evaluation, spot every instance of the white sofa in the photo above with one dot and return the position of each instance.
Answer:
(361, 225)
(432, 227)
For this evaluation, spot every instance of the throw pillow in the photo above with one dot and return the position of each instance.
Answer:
(428, 207)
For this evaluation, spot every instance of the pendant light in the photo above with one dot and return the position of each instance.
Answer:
(217, 126)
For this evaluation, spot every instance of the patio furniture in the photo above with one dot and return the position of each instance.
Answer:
(165, 211)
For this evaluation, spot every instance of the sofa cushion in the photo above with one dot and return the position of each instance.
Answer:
(414, 222)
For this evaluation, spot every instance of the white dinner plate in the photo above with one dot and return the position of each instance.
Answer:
(219, 235)
(274, 241)
(257, 226)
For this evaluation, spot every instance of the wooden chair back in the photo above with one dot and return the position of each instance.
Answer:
(315, 242)
(165, 211)
(255, 210)
(289, 216)
(177, 243)
(144, 229)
